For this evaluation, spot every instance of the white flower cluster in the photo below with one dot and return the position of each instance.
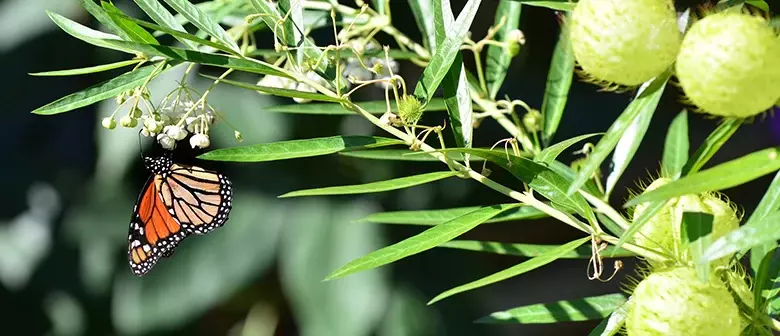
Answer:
(170, 123)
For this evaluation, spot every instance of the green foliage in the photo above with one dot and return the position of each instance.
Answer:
(461, 74)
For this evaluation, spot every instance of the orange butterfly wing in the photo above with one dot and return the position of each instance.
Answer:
(179, 201)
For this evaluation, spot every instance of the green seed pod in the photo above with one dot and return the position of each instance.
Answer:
(409, 109)
(624, 41)
(675, 302)
(663, 231)
(728, 65)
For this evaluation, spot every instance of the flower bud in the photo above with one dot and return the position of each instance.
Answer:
(108, 123)
(533, 121)
(128, 121)
(166, 141)
(136, 112)
(199, 141)
(675, 302)
(238, 136)
(175, 132)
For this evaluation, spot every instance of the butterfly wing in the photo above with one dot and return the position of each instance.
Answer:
(154, 232)
(200, 199)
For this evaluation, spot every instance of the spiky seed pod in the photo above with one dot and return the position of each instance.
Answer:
(626, 42)
(664, 229)
(675, 302)
(728, 65)
(409, 109)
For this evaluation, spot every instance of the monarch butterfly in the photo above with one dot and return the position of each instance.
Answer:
(177, 200)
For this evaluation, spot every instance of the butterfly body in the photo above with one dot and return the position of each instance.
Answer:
(177, 201)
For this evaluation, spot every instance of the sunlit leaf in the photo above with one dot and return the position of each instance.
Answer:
(133, 31)
(722, 176)
(676, 146)
(181, 35)
(590, 308)
(373, 187)
(559, 79)
(761, 232)
(540, 178)
(499, 57)
(87, 34)
(647, 100)
(87, 70)
(93, 94)
(373, 107)
(612, 325)
(562, 5)
(549, 154)
(437, 217)
(626, 147)
(426, 240)
(159, 14)
(770, 202)
(711, 145)
(202, 58)
(421, 10)
(203, 22)
(455, 85)
(292, 149)
(281, 92)
(516, 270)
(402, 155)
(445, 53)
(531, 250)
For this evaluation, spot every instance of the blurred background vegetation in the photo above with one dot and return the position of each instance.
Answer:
(69, 187)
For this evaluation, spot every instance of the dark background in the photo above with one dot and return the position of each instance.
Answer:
(69, 186)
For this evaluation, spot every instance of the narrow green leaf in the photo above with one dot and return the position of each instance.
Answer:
(549, 154)
(445, 53)
(611, 326)
(374, 187)
(569, 173)
(182, 35)
(437, 217)
(402, 155)
(531, 250)
(647, 99)
(421, 10)
(373, 107)
(770, 202)
(426, 240)
(163, 17)
(628, 144)
(762, 232)
(87, 34)
(271, 16)
(203, 22)
(293, 11)
(202, 58)
(105, 90)
(516, 270)
(292, 149)
(559, 79)
(87, 70)
(540, 178)
(610, 225)
(722, 176)
(133, 31)
(696, 229)
(767, 273)
(347, 53)
(499, 58)
(676, 147)
(96, 11)
(561, 5)
(458, 100)
(596, 307)
(711, 145)
(281, 92)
